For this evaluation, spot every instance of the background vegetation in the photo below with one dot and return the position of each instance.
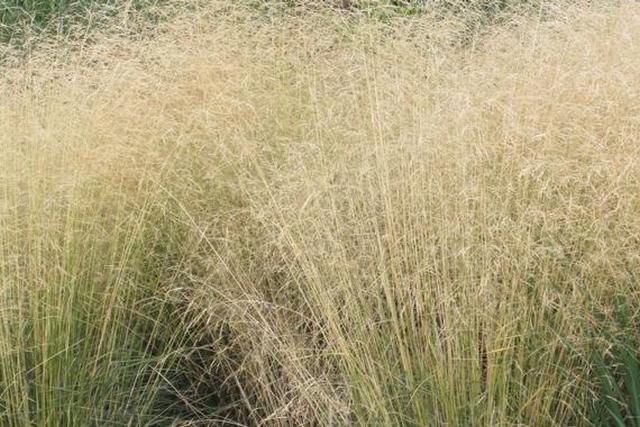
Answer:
(250, 214)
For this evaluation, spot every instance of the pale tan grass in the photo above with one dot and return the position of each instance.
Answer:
(362, 222)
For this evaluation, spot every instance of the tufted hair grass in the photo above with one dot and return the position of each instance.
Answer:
(252, 217)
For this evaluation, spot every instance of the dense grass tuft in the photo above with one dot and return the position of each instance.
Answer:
(324, 217)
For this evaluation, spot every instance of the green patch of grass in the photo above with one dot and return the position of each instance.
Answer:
(616, 364)
(19, 18)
